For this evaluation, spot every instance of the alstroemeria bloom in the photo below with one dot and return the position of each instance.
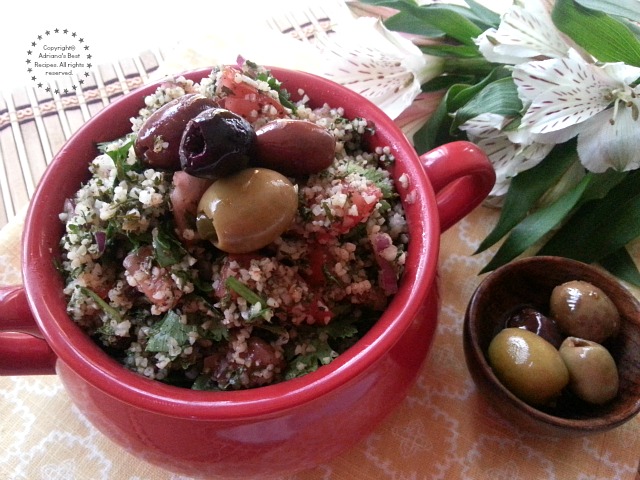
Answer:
(568, 97)
(379, 64)
(505, 151)
(526, 32)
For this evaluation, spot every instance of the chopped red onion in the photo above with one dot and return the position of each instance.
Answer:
(101, 240)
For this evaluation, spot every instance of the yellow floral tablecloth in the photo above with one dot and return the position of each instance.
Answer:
(442, 430)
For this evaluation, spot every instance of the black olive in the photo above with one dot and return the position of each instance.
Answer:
(530, 318)
(216, 143)
(158, 140)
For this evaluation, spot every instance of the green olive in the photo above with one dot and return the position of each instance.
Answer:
(583, 310)
(248, 210)
(528, 365)
(592, 370)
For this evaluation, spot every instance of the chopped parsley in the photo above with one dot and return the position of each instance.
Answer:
(170, 335)
(120, 155)
(250, 296)
(168, 249)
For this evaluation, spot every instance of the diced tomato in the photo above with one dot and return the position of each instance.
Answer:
(246, 100)
(319, 312)
(318, 257)
(364, 203)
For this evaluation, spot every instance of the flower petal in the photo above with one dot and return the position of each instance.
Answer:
(523, 135)
(379, 64)
(563, 92)
(484, 125)
(508, 158)
(624, 73)
(525, 32)
(502, 154)
(603, 145)
(417, 114)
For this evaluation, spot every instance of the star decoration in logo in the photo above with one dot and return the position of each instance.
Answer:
(58, 59)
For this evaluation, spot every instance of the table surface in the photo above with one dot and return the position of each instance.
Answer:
(442, 430)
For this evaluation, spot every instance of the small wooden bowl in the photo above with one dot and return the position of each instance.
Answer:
(530, 281)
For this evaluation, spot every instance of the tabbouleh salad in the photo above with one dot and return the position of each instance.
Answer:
(168, 304)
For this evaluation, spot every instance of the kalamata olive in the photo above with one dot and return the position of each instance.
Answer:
(216, 143)
(158, 140)
(592, 370)
(529, 366)
(294, 147)
(246, 211)
(532, 319)
(583, 310)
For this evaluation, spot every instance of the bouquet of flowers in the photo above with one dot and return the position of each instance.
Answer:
(550, 91)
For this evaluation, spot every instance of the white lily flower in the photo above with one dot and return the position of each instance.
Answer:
(377, 63)
(603, 144)
(508, 156)
(526, 32)
(568, 97)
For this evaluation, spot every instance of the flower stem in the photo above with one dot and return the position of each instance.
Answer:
(476, 66)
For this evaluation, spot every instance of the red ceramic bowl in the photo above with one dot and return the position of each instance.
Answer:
(270, 430)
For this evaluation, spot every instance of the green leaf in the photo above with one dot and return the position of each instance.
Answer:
(408, 23)
(203, 382)
(249, 295)
(452, 23)
(120, 155)
(604, 37)
(433, 132)
(104, 306)
(444, 82)
(341, 328)
(245, 292)
(621, 264)
(527, 188)
(439, 17)
(604, 225)
(461, 51)
(168, 249)
(500, 97)
(621, 8)
(536, 225)
(283, 95)
(480, 17)
(322, 354)
(485, 15)
(163, 334)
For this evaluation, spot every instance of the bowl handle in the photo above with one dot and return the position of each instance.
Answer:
(23, 351)
(461, 175)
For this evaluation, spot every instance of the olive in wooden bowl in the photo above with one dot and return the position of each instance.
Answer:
(499, 350)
